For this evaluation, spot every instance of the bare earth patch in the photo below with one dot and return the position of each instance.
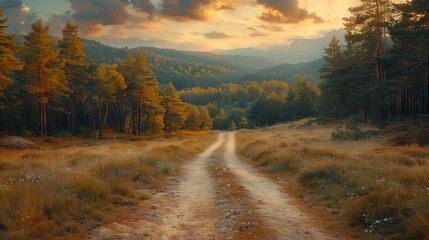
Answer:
(216, 197)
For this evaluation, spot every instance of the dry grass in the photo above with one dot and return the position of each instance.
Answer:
(70, 185)
(377, 188)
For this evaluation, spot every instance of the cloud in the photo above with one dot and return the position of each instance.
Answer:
(286, 11)
(272, 28)
(93, 15)
(199, 10)
(19, 15)
(255, 32)
(223, 6)
(105, 12)
(216, 35)
(144, 6)
(111, 38)
(183, 10)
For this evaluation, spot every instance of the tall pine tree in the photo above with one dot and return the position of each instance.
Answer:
(44, 73)
(8, 62)
(174, 117)
(74, 57)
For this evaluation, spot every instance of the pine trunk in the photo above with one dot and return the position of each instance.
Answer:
(139, 118)
(100, 107)
(91, 114)
(426, 85)
(378, 59)
(105, 116)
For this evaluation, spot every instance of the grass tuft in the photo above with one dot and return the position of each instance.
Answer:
(376, 188)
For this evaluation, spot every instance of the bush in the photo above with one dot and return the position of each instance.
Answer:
(387, 210)
(331, 172)
(351, 132)
(90, 189)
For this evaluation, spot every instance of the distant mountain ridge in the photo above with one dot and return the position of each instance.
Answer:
(204, 69)
(298, 50)
(97, 51)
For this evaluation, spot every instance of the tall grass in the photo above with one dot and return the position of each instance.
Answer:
(54, 192)
(379, 188)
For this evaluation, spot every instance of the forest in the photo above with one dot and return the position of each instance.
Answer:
(382, 71)
(52, 88)
(49, 86)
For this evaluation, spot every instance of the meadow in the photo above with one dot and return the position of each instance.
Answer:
(67, 186)
(371, 188)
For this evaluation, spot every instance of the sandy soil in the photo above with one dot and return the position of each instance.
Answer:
(279, 211)
(217, 196)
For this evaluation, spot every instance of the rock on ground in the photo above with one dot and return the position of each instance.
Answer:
(16, 142)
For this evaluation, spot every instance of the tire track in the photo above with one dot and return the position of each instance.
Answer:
(278, 210)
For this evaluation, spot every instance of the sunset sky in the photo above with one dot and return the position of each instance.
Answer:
(184, 24)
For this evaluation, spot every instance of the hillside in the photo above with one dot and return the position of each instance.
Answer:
(204, 69)
(188, 69)
(293, 51)
(288, 72)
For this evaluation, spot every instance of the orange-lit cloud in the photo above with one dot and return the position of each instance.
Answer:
(286, 11)
(183, 10)
(171, 23)
(216, 35)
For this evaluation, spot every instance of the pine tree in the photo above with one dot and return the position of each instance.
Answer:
(219, 120)
(142, 94)
(44, 72)
(174, 116)
(148, 94)
(193, 121)
(8, 64)
(259, 111)
(303, 95)
(235, 115)
(110, 87)
(367, 47)
(243, 122)
(410, 59)
(335, 92)
(232, 126)
(91, 82)
(74, 57)
(8, 61)
(206, 120)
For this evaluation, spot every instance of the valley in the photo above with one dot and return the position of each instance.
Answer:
(232, 119)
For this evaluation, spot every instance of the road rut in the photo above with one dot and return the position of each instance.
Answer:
(191, 208)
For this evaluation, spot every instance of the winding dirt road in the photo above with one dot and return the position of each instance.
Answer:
(217, 197)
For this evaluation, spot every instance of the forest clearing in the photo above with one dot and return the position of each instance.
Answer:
(214, 119)
(282, 182)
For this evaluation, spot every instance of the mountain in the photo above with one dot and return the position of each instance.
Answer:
(296, 51)
(254, 62)
(187, 69)
(104, 53)
(289, 72)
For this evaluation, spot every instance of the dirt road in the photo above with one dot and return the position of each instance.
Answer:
(217, 197)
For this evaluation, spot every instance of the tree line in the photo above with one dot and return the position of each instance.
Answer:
(253, 104)
(47, 88)
(382, 71)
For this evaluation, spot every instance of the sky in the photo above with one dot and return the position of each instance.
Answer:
(195, 25)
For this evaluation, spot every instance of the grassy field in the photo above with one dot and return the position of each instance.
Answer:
(68, 186)
(369, 188)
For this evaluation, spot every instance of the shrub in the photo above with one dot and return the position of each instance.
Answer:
(418, 226)
(331, 172)
(385, 211)
(91, 189)
(351, 132)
